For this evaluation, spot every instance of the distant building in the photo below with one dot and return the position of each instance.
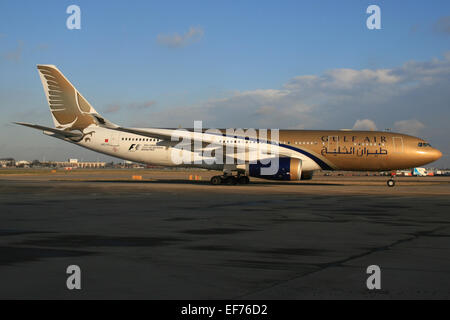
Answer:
(7, 162)
(22, 164)
(74, 163)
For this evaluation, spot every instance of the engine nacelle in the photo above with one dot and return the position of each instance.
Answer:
(288, 169)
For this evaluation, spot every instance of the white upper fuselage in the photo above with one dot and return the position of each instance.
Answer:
(153, 151)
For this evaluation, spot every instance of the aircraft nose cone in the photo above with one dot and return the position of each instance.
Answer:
(427, 156)
(436, 154)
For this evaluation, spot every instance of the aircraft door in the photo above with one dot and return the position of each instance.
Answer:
(114, 138)
(398, 144)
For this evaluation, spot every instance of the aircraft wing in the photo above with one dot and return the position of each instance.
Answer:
(208, 140)
(167, 134)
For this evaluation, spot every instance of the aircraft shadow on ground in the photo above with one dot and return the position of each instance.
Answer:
(206, 182)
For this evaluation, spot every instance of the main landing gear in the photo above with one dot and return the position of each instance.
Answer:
(230, 179)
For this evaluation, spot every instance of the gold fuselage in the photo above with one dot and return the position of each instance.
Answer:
(361, 150)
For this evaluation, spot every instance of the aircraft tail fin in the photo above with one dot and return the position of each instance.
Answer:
(69, 109)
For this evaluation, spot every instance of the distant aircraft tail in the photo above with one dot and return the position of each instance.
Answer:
(69, 109)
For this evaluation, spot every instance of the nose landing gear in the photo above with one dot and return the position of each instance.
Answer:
(390, 183)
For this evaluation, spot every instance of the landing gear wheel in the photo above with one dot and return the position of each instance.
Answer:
(216, 180)
(243, 180)
(231, 180)
(390, 183)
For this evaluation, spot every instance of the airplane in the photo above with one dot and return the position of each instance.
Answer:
(297, 153)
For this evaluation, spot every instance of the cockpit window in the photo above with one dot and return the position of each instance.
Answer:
(424, 144)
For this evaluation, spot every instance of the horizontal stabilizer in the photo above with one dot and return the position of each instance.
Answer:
(67, 134)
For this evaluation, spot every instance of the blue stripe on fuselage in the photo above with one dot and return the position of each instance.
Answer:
(320, 162)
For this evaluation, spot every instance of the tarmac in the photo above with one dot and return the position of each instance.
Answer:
(168, 237)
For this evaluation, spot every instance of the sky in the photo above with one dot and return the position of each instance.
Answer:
(261, 64)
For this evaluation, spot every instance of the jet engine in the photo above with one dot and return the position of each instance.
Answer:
(288, 169)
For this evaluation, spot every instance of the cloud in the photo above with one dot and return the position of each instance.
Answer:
(334, 99)
(365, 124)
(42, 47)
(414, 28)
(16, 54)
(116, 107)
(412, 127)
(176, 40)
(142, 105)
(112, 108)
(442, 25)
